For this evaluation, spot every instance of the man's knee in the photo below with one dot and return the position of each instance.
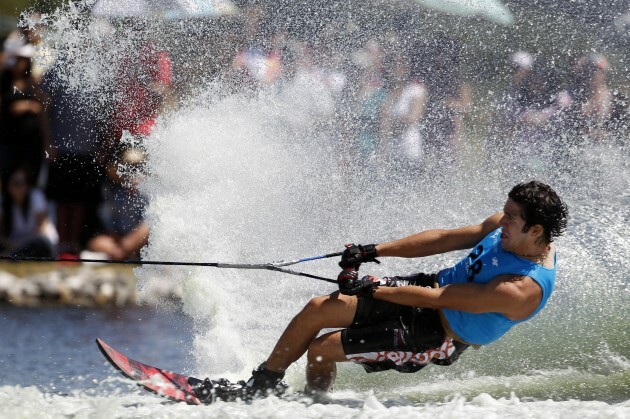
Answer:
(313, 308)
(326, 348)
(319, 305)
(318, 352)
(312, 314)
(333, 310)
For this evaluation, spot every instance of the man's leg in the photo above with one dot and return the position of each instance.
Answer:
(335, 310)
(323, 355)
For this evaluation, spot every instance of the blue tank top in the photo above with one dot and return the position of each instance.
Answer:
(482, 265)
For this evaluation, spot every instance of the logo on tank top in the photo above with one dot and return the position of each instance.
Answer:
(474, 265)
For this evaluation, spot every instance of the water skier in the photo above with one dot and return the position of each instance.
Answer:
(405, 323)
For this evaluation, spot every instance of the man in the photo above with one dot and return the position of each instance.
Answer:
(404, 323)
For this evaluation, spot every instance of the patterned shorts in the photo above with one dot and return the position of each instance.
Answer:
(386, 336)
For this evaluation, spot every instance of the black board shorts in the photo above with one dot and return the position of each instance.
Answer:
(386, 336)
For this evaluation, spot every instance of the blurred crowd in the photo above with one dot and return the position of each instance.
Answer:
(69, 180)
(538, 106)
(69, 183)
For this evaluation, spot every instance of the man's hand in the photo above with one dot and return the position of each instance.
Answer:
(355, 255)
(350, 284)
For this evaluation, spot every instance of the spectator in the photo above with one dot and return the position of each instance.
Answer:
(532, 115)
(366, 99)
(73, 144)
(21, 143)
(126, 232)
(536, 103)
(402, 113)
(143, 82)
(258, 63)
(591, 107)
(25, 228)
(309, 95)
(16, 39)
(521, 64)
(439, 65)
(28, 33)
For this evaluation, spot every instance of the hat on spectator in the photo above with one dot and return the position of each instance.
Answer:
(598, 61)
(523, 59)
(25, 51)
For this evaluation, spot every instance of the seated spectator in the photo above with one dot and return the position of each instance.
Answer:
(25, 229)
(125, 231)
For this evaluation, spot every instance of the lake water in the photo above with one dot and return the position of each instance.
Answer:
(52, 368)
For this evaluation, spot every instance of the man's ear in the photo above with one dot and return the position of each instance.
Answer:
(536, 231)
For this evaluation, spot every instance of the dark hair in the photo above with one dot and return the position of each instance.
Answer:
(541, 205)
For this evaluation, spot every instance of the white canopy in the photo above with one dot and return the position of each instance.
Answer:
(167, 9)
(492, 10)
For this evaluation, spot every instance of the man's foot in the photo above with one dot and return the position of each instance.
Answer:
(262, 383)
(209, 391)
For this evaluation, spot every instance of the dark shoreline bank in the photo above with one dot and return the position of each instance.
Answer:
(31, 284)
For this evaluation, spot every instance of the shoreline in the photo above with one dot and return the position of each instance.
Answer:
(36, 284)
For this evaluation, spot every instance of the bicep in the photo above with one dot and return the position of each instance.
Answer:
(498, 296)
(432, 242)
(515, 297)
(467, 237)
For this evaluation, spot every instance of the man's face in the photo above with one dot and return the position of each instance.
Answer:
(513, 238)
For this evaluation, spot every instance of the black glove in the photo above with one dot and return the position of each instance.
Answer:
(350, 284)
(355, 255)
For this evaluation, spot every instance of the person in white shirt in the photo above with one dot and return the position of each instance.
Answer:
(25, 228)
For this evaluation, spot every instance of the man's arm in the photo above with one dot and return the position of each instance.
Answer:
(432, 242)
(517, 297)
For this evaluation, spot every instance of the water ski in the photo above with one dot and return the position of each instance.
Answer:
(171, 385)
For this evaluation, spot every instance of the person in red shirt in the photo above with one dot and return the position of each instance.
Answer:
(143, 83)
